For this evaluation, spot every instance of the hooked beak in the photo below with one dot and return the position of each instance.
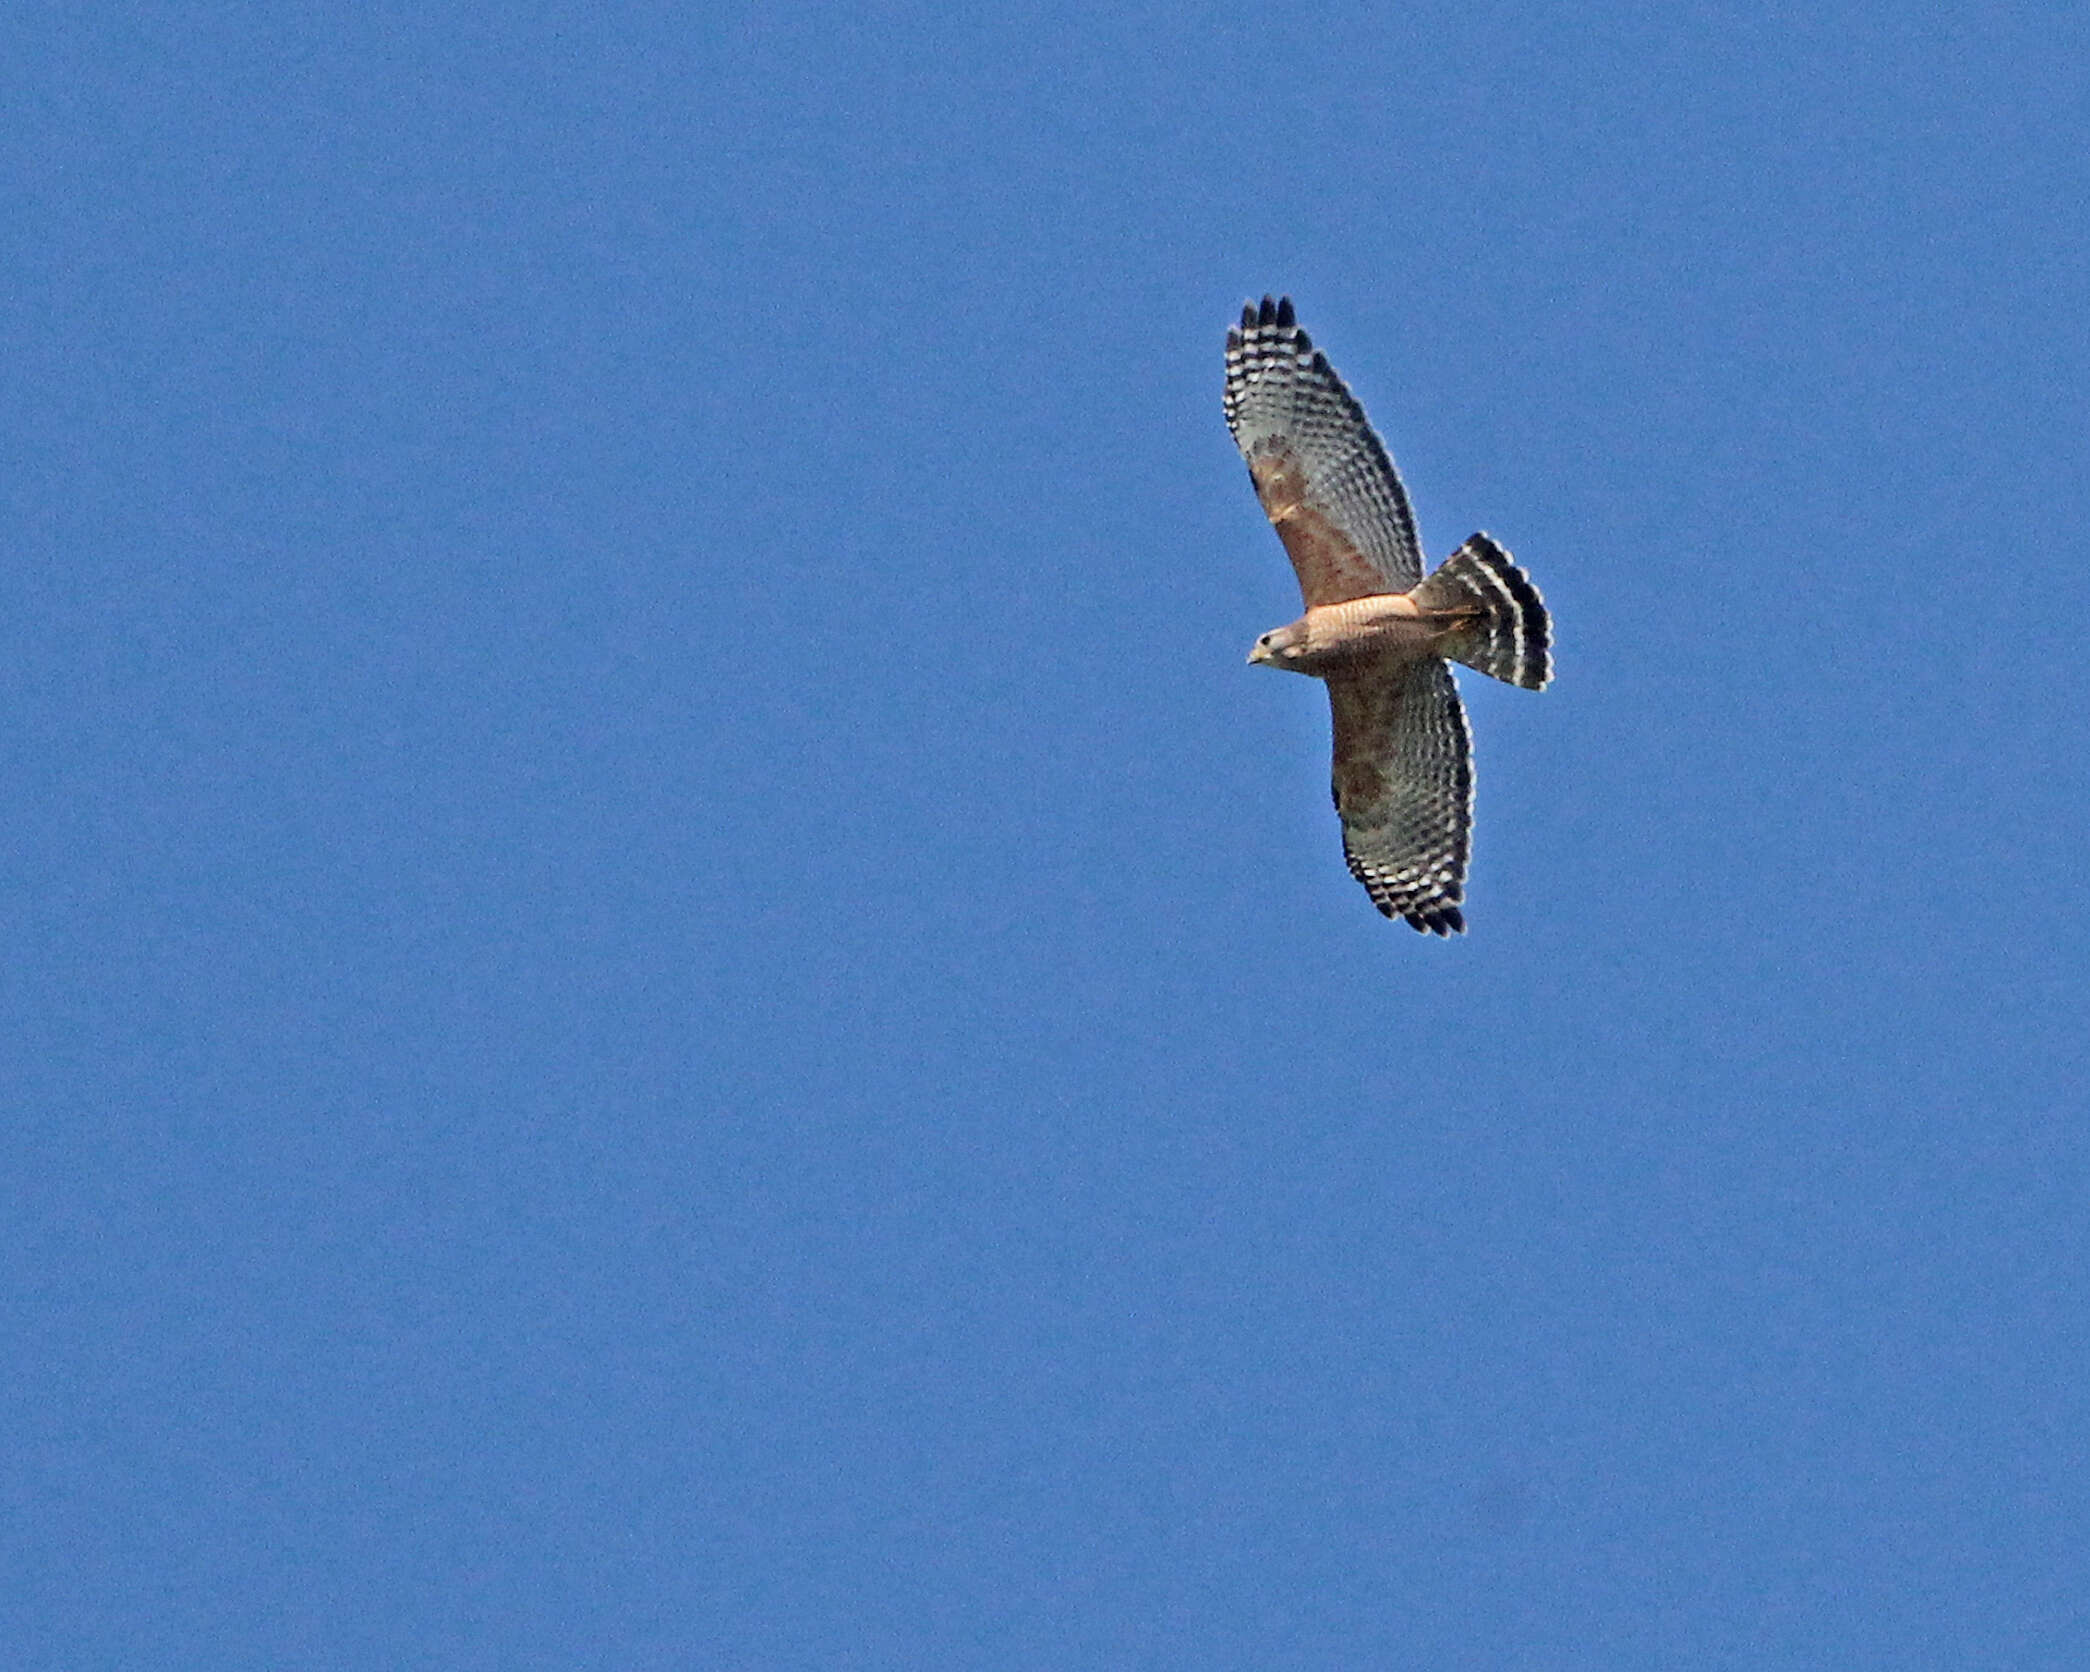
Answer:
(1258, 654)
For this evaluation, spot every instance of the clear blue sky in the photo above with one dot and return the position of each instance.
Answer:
(670, 1001)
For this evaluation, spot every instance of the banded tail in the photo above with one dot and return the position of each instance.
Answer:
(1512, 637)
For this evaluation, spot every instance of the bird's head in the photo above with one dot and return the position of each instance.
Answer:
(1281, 647)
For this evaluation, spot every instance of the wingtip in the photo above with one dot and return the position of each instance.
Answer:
(1273, 312)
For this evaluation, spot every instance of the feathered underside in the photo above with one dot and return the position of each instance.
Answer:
(1403, 783)
(1403, 772)
(1322, 474)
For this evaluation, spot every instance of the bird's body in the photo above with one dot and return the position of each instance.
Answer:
(1334, 639)
(1378, 632)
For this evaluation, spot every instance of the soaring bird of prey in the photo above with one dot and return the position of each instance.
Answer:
(1380, 635)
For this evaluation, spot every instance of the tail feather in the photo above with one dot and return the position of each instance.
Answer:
(1507, 634)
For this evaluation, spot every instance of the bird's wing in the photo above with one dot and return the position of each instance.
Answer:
(1404, 787)
(1322, 474)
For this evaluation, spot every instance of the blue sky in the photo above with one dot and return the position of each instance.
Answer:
(671, 1001)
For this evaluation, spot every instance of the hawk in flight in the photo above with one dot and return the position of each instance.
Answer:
(1375, 630)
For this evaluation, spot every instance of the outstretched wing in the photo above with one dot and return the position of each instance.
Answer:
(1404, 788)
(1322, 475)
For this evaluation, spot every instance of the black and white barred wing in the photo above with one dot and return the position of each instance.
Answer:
(1404, 789)
(1322, 474)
